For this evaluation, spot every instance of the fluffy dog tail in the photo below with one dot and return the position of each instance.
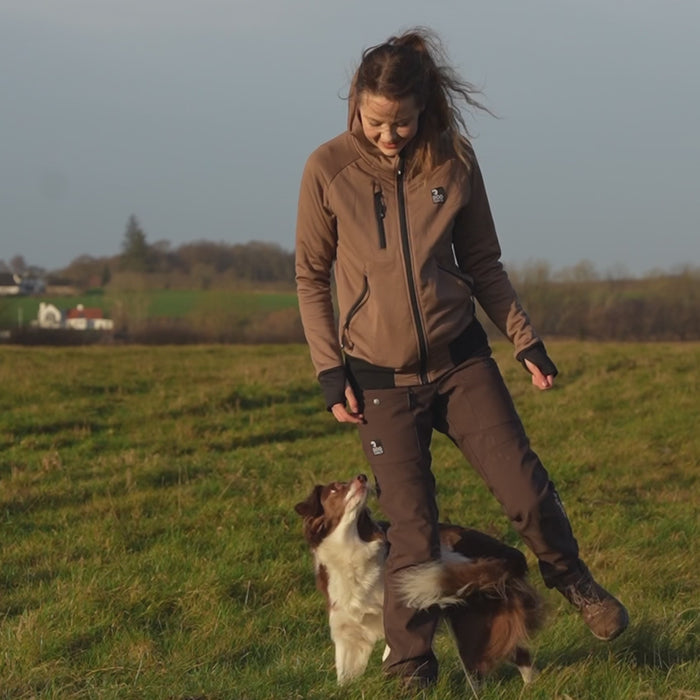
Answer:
(492, 630)
(449, 580)
(517, 618)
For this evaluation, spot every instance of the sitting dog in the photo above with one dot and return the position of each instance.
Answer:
(479, 583)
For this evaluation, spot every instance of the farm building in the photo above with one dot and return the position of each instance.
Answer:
(80, 318)
(9, 284)
(14, 285)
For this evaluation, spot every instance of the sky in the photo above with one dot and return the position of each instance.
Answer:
(197, 116)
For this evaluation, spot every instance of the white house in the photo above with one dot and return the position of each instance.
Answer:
(80, 318)
(49, 316)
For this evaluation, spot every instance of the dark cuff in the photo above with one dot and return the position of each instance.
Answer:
(332, 383)
(538, 356)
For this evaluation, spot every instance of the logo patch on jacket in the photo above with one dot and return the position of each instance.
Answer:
(438, 195)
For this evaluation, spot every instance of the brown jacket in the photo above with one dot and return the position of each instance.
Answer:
(409, 257)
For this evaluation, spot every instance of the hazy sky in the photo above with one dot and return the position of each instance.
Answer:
(197, 117)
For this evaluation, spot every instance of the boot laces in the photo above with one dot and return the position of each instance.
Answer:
(583, 593)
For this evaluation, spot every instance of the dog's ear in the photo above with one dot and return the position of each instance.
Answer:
(311, 511)
(311, 507)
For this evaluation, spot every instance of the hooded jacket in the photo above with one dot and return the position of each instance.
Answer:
(409, 255)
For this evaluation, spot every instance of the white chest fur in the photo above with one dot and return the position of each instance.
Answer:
(355, 570)
(355, 588)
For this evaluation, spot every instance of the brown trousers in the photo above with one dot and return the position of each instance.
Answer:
(472, 405)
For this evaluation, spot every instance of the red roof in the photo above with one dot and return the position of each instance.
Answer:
(83, 312)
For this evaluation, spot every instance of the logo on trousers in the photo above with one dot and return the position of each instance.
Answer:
(377, 448)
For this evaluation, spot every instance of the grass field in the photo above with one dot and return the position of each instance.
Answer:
(150, 548)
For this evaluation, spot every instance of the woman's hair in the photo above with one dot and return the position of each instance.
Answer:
(415, 63)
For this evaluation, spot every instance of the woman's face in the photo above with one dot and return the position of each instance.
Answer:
(389, 124)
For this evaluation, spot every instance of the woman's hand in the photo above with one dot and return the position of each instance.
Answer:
(350, 411)
(538, 378)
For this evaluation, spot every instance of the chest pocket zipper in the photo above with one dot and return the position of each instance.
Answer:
(380, 213)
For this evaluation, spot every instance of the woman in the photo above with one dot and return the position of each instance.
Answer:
(396, 207)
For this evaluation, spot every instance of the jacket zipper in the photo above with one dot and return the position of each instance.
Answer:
(380, 213)
(405, 245)
(347, 342)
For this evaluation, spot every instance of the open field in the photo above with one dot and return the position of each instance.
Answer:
(149, 547)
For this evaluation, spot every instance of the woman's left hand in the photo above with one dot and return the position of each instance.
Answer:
(538, 379)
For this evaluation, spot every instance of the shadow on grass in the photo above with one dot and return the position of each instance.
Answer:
(276, 436)
(35, 501)
(652, 643)
(249, 398)
(58, 432)
(661, 644)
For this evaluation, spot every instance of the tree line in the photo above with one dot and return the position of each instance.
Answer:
(196, 265)
(575, 302)
(578, 303)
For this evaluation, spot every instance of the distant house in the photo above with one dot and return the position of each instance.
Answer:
(59, 286)
(80, 318)
(14, 285)
(10, 285)
(49, 316)
(32, 285)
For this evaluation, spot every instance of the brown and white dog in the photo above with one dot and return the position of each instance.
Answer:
(479, 583)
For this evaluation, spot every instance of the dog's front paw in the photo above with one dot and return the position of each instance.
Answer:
(528, 673)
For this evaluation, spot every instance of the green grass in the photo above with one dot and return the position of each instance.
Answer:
(149, 547)
(182, 303)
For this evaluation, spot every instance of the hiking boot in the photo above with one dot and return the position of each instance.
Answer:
(414, 675)
(604, 614)
(412, 686)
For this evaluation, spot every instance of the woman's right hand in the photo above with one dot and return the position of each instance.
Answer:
(349, 412)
